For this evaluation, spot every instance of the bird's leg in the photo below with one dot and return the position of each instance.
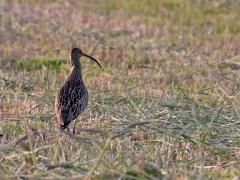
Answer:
(61, 128)
(70, 135)
(74, 127)
(68, 130)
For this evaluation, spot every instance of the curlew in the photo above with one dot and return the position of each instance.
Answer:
(72, 98)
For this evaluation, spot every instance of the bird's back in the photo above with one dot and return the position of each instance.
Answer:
(71, 101)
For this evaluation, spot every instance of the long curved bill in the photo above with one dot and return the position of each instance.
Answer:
(83, 54)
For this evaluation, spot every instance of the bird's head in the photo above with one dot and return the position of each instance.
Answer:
(77, 53)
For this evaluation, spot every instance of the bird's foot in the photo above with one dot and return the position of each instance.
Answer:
(68, 132)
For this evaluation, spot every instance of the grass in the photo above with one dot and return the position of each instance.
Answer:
(165, 105)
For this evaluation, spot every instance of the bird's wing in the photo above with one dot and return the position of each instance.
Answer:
(72, 100)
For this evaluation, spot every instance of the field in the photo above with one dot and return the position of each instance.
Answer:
(166, 104)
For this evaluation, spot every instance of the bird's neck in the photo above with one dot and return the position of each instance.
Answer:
(75, 61)
(76, 73)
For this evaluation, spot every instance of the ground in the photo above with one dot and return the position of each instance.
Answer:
(164, 106)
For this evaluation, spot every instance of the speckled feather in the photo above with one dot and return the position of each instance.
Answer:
(71, 101)
(72, 98)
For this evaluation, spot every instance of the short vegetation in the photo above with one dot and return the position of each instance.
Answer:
(165, 106)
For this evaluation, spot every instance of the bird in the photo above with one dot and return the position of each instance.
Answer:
(72, 98)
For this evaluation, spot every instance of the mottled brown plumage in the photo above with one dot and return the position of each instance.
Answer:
(72, 98)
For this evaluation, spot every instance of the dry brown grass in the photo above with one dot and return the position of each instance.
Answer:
(166, 104)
